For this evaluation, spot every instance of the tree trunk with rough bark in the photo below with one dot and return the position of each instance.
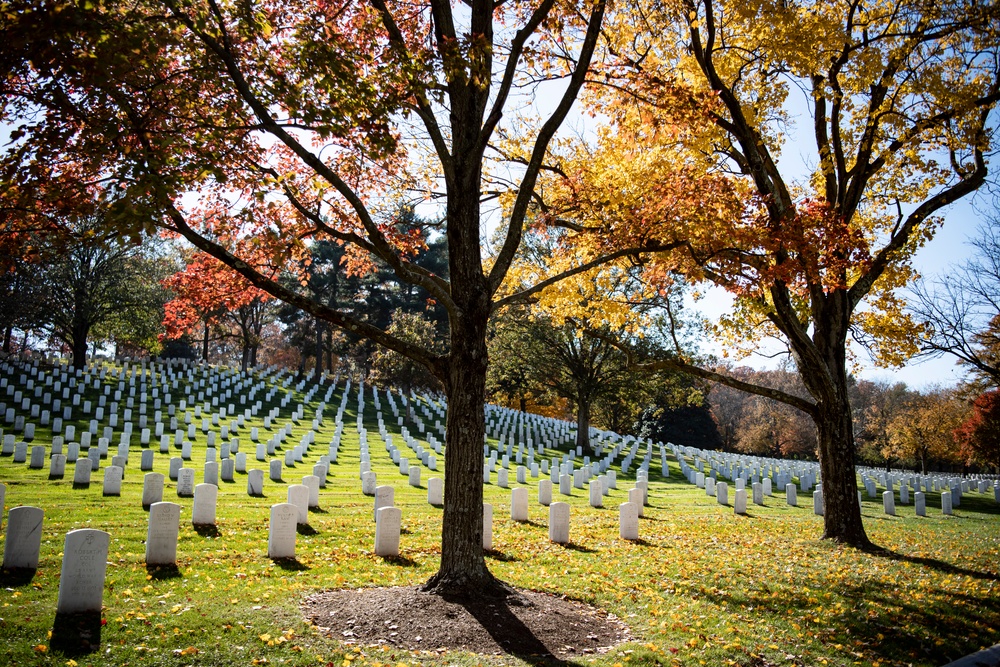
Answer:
(583, 425)
(204, 345)
(79, 345)
(463, 570)
(823, 368)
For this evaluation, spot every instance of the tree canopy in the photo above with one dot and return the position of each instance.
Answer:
(898, 101)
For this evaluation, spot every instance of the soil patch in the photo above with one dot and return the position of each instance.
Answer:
(548, 627)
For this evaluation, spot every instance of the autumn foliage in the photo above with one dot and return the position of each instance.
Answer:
(980, 434)
(205, 290)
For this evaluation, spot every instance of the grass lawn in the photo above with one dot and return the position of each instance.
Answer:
(702, 586)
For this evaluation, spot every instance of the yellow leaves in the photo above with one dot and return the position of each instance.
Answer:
(40, 648)
(185, 652)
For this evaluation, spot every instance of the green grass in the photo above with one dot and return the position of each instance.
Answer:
(702, 587)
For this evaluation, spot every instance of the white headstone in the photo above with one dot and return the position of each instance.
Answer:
(920, 503)
(628, 521)
(228, 468)
(85, 561)
(596, 493)
(82, 470)
(57, 468)
(791, 495)
(298, 495)
(185, 482)
(24, 538)
(205, 497)
(37, 457)
(281, 536)
(888, 503)
(152, 488)
(415, 476)
(113, 481)
(435, 491)
(818, 502)
(635, 497)
(212, 473)
(519, 504)
(369, 482)
(946, 503)
(740, 504)
(161, 536)
(275, 469)
(388, 521)
(255, 483)
(544, 492)
(565, 485)
(487, 527)
(722, 493)
(383, 498)
(176, 463)
(559, 522)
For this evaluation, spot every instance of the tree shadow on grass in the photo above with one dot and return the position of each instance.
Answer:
(509, 632)
(290, 564)
(162, 572)
(935, 564)
(18, 576)
(76, 634)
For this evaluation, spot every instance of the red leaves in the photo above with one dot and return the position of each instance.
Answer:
(206, 289)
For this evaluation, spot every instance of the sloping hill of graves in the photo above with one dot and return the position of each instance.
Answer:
(178, 514)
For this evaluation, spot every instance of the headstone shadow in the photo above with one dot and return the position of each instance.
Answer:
(305, 529)
(18, 576)
(401, 561)
(206, 529)
(571, 546)
(76, 634)
(502, 557)
(162, 572)
(290, 564)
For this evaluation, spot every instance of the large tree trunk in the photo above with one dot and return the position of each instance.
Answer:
(583, 425)
(828, 385)
(79, 345)
(463, 570)
(841, 511)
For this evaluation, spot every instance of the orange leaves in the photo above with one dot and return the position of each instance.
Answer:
(205, 289)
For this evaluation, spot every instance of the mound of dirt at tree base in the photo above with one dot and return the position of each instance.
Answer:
(536, 626)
